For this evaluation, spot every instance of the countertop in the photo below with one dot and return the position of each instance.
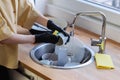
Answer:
(89, 72)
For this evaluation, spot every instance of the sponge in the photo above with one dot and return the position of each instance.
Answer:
(55, 33)
(103, 61)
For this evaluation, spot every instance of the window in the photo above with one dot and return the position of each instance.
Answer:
(113, 4)
(109, 7)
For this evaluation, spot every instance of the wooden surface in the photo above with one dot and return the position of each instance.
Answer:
(89, 72)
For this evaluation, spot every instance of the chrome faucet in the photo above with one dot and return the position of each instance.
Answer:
(102, 40)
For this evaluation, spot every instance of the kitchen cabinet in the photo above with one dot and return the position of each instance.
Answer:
(33, 75)
(39, 78)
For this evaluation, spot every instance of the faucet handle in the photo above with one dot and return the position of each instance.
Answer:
(95, 42)
(100, 43)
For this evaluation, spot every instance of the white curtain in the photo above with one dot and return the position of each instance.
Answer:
(32, 1)
(41, 5)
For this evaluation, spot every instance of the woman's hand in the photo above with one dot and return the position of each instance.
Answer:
(53, 27)
(46, 37)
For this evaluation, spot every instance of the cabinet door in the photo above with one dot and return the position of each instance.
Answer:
(32, 74)
(39, 78)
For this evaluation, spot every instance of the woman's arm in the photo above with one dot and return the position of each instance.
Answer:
(19, 39)
(42, 20)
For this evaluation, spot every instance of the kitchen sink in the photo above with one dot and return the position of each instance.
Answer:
(44, 54)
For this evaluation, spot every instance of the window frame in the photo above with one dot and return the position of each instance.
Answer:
(112, 15)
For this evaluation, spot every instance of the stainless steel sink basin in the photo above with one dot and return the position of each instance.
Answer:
(41, 50)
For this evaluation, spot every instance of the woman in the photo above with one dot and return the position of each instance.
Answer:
(16, 19)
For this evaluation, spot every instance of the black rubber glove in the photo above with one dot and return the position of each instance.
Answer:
(53, 27)
(46, 37)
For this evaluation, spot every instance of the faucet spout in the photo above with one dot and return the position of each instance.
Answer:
(101, 41)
